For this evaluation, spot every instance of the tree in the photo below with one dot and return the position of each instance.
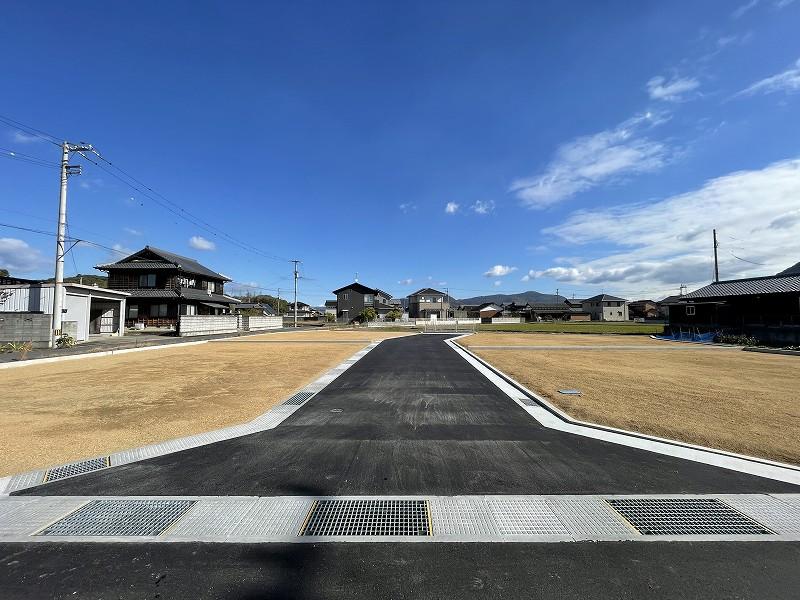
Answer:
(330, 318)
(394, 315)
(368, 314)
(3, 272)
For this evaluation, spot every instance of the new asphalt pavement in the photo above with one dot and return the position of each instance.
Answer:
(412, 417)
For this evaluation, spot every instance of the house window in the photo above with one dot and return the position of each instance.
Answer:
(619, 313)
(368, 298)
(345, 296)
(133, 311)
(147, 281)
(158, 310)
(212, 287)
(690, 310)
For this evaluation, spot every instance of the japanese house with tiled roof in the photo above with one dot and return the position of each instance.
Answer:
(164, 285)
(767, 308)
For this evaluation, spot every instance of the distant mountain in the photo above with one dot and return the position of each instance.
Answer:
(100, 280)
(521, 298)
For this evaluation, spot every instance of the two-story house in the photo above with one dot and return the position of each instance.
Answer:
(355, 297)
(428, 303)
(606, 308)
(163, 285)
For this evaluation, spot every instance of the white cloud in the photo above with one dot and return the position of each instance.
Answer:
(589, 161)
(200, 243)
(408, 281)
(16, 256)
(665, 243)
(407, 207)
(483, 207)
(451, 208)
(498, 283)
(499, 271)
(23, 138)
(779, 4)
(788, 81)
(673, 90)
(132, 231)
(744, 8)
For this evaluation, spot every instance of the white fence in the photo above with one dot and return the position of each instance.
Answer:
(259, 323)
(189, 325)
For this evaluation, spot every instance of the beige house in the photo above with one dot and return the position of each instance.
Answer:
(606, 308)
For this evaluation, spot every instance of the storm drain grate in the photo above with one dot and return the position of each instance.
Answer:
(368, 517)
(78, 468)
(685, 516)
(120, 518)
(299, 398)
(527, 401)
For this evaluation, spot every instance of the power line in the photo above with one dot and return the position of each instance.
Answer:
(30, 130)
(68, 239)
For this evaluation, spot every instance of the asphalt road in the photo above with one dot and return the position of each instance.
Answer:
(619, 570)
(411, 417)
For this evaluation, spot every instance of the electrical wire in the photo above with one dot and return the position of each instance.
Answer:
(30, 130)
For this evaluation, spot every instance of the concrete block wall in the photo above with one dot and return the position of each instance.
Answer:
(189, 325)
(507, 320)
(25, 327)
(258, 323)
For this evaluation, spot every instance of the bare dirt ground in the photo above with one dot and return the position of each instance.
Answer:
(561, 339)
(58, 412)
(744, 402)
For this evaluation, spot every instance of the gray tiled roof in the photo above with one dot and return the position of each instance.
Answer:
(139, 264)
(605, 298)
(183, 263)
(151, 293)
(774, 284)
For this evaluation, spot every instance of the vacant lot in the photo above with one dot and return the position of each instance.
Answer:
(743, 402)
(623, 327)
(58, 412)
(564, 339)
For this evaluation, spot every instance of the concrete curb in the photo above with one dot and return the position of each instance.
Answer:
(773, 351)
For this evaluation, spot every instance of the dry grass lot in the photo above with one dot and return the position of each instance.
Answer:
(744, 402)
(53, 413)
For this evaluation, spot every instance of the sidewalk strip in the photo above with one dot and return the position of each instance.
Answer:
(317, 519)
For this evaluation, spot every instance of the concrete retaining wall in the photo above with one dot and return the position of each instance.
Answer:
(189, 325)
(507, 320)
(25, 327)
(259, 323)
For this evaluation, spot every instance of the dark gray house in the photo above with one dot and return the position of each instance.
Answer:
(355, 297)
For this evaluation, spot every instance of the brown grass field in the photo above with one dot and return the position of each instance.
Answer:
(58, 412)
(744, 402)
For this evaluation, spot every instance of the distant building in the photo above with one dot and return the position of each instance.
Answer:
(428, 303)
(163, 285)
(355, 297)
(643, 309)
(330, 307)
(265, 309)
(606, 308)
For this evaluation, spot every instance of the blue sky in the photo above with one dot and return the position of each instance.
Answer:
(485, 147)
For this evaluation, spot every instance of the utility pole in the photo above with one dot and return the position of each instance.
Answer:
(716, 261)
(278, 308)
(296, 275)
(58, 288)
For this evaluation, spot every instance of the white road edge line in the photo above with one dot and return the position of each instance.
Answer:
(554, 418)
(268, 420)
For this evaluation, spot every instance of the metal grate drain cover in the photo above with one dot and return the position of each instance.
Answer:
(120, 518)
(299, 398)
(685, 516)
(78, 468)
(368, 517)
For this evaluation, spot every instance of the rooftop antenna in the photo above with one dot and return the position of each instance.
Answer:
(683, 287)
